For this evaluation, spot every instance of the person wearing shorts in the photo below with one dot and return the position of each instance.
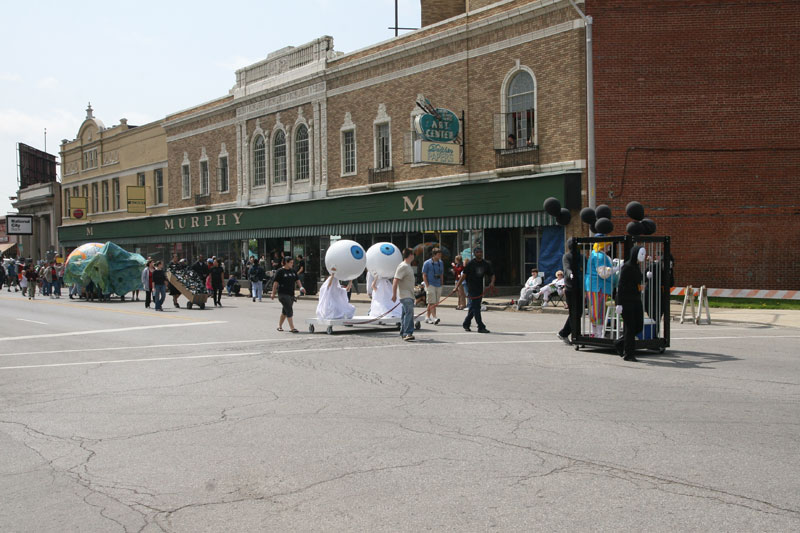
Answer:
(433, 276)
(283, 284)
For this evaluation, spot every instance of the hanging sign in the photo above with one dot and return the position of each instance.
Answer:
(78, 206)
(136, 199)
(441, 153)
(19, 224)
(440, 127)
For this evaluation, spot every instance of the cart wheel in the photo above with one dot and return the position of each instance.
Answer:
(202, 305)
(417, 325)
(329, 331)
(577, 348)
(662, 349)
(188, 305)
(311, 328)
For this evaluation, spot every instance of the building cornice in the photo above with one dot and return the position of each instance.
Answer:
(456, 33)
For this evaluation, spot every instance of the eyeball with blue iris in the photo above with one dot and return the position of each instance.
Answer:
(383, 258)
(346, 259)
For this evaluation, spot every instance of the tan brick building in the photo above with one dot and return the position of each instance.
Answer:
(311, 144)
(99, 165)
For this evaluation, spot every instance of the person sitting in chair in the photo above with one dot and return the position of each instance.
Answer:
(530, 291)
(557, 286)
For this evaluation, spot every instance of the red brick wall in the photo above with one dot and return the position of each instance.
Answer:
(698, 117)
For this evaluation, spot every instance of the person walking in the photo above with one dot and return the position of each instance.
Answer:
(31, 278)
(12, 276)
(257, 276)
(283, 284)
(147, 282)
(173, 291)
(58, 278)
(159, 286)
(573, 279)
(403, 287)
(474, 273)
(457, 269)
(3, 276)
(433, 277)
(46, 272)
(216, 273)
(629, 303)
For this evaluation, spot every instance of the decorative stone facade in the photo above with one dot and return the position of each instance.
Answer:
(100, 163)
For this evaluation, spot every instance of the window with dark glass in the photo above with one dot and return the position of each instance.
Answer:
(519, 107)
(301, 168)
(259, 162)
(279, 158)
(383, 147)
(222, 174)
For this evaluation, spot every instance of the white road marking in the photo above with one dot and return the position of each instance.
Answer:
(34, 321)
(117, 361)
(150, 346)
(113, 330)
(338, 348)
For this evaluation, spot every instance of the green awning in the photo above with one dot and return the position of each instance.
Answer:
(505, 220)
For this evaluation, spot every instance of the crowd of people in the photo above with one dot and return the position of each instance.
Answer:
(44, 277)
(282, 274)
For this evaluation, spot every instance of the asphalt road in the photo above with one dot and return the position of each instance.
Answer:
(117, 418)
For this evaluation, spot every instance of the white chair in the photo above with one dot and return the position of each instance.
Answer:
(612, 322)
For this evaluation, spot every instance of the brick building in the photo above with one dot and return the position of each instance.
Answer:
(312, 145)
(698, 117)
(695, 104)
(98, 167)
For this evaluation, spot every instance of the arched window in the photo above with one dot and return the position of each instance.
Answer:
(301, 153)
(279, 157)
(519, 110)
(259, 162)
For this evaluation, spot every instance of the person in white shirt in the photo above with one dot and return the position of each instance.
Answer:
(557, 286)
(531, 288)
(403, 287)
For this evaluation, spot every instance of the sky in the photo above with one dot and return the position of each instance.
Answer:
(143, 60)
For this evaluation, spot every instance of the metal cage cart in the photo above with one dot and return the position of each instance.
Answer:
(598, 324)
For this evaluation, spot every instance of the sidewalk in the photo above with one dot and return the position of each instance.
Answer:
(766, 317)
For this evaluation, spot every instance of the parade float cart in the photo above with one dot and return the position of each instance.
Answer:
(195, 298)
(362, 322)
(655, 295)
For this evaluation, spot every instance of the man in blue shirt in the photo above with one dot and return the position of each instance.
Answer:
(433, 276)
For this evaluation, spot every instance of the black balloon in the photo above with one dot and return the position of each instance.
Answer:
(604, 225)
(564, 216)
(588, 215)
(603, 211)
(635, 210)
(552, 206)
(635, 228)
(593, 228)
(648, 226)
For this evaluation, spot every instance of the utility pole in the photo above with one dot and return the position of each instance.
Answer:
(590, 155)
(396, 26)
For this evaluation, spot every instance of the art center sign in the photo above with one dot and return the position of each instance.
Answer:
(443, 126)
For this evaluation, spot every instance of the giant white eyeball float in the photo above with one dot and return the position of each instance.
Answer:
(346, 259)
(383, 258)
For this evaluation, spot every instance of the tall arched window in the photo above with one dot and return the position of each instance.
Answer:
(259, 162)
(519, 110)
(301, 153)
(279, 157)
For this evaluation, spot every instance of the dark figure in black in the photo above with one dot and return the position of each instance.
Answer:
(629, 303)
(573, 279)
